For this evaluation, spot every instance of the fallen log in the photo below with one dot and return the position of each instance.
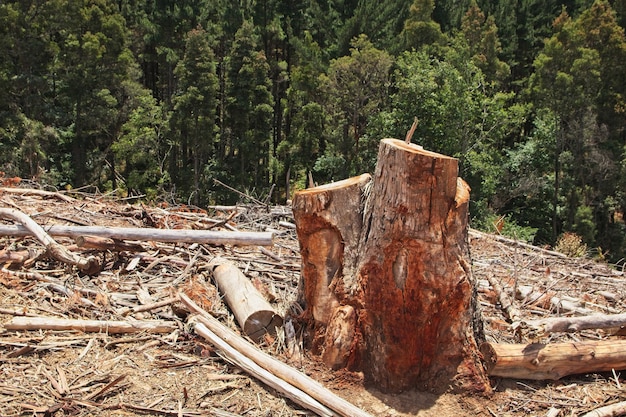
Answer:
(253, 312)
(273, 366)
(151, 234)
(574, 324)
(89, 265)
(553, 361)
(97, 326)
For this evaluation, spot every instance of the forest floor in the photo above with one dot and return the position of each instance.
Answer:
(65, 372)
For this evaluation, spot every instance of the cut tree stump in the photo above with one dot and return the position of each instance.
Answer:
(386, 273)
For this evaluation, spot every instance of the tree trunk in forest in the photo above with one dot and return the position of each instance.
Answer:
(386, 273)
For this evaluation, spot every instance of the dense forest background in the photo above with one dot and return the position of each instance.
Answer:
(159, 98)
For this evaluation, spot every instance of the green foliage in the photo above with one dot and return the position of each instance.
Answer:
(165, 96)
(355, 90)
(506, 226)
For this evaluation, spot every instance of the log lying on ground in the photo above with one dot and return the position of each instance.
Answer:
(386, 272)
(283, 371)
(574, 324)
(538, 361)
(151, 234)
(104, 326)
(89, 265)
(254, 313)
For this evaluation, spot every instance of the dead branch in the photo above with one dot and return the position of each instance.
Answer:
(41, 193)
(506, 303)
(275, 367)
(617, 409)
(152, 234)
(574, 324)
(88, 265)
(105, 243)
(502, 239)
(105, 326)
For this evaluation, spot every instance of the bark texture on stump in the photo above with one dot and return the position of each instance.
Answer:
(399, 284)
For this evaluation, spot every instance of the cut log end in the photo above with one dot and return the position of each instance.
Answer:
(262, 322)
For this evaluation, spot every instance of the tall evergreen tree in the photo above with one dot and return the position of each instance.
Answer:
(194, 116)
(356, 89)
(248, 111)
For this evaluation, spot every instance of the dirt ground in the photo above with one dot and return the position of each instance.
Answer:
(71, 373)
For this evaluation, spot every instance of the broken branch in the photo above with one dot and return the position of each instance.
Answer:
(152, 234)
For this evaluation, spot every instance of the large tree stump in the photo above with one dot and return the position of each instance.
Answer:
(386, 272)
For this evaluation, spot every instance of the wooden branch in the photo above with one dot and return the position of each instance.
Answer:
(105, 326)
(506, 303)
(409, 134)
(617, 409)
(254, 313)
(574, 324)
(89, 265)
(553, 361)
(42, 193)
(505, 240)
(248, 365)
(18, 257)
(152, 234)
(105, 243)
(275, 367)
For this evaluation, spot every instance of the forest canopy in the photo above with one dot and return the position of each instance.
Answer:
(159, 98)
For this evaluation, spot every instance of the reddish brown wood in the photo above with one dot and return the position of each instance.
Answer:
(394, 249)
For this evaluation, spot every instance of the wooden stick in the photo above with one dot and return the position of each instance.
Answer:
(502, 239)
(106, 326)
(506, 303)
(409, 134)
(248, 365)
(42, 193)
(617, 409)
(574, 324)
(152, 234)
(275, 367)
(553, 361)
(105, 243)
(88, 265)
(254, 313)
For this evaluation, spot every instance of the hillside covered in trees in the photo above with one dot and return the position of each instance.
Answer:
(159, 98)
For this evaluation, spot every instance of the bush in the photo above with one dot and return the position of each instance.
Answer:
(571, 245)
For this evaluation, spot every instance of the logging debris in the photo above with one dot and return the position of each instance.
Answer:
(62, 372)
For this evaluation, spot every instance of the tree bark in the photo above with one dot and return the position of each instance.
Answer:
(553, 361)
(386, 270)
